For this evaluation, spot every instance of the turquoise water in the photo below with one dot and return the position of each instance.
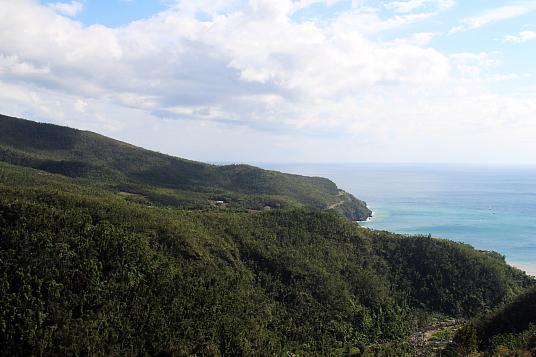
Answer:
(488, 207)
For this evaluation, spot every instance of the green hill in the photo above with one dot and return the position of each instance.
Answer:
(164, 179)
(89, 267)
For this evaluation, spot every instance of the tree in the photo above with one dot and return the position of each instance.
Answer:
(465, 339)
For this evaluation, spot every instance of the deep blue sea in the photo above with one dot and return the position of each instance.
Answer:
(491, 207)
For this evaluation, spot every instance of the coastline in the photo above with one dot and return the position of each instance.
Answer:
(380, 217)
(445, 200)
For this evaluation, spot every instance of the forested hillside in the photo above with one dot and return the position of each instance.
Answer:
(509, 330)
(164, 179)
(111, 265)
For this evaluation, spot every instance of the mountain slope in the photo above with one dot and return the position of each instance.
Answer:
(83, 154)
(91, 266)
(84, 272)
(510, 329)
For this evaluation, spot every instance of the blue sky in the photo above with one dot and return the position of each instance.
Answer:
(281, 80)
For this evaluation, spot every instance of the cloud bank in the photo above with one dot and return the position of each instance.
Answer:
(245, 77)
(71, 9)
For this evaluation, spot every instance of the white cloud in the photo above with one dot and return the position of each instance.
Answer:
(256, 45)
(456, 29)
(522, 37)
(13, 65)
(71, 9)
(418, 39)
(192, 7)
(368, 22)
(176, 64)
(408, 6)
(473, 65)
(446, 4)
(80, 105)
(488, 79)
(503, 77)
(497, 14)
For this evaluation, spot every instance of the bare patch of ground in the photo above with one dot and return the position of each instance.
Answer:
(133, 195)
(334, 205)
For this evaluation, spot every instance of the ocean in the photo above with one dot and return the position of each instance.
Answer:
(491, 207)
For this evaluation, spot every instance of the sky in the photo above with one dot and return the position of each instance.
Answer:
(419, 81)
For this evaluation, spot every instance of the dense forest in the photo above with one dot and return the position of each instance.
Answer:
(105, 261)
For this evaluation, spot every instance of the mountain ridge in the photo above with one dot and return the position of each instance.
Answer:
(76, 153)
